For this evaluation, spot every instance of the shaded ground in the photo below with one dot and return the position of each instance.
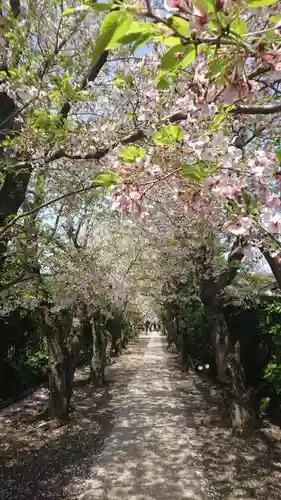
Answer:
(162, 436)
(38, 463)
(238, 468)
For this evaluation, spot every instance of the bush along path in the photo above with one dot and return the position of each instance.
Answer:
(152, 433)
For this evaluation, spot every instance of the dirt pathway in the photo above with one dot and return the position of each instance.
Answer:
(153, 433)
(53, 464)
(149, 454)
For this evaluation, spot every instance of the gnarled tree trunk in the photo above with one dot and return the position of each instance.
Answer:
(116, 332)
(97, 366)
(230, 371)
(64, 340)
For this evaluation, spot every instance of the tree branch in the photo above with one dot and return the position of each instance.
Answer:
(274, 265)
(265, 109)
(46, 204)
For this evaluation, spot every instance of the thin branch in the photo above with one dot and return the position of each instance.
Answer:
(54, 230)
(46, 204)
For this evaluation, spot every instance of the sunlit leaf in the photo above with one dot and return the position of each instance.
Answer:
(173, 57)
(278, 154)
(113, 22)
(121, 30)
(274, 19)
(193, 172)
(182, 26)
(239, 26)
(130, 154)
(189, 58)
(171, 41)
(168, 135)
(261, 3)
(101, 6)
(107, 179)
(163, 84)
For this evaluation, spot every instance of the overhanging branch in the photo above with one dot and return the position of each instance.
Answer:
(46, 204)
(265, 109)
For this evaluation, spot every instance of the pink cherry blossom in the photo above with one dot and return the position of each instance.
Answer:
(271, 220)
(273, 201)
(172, 5)
(199, 19)
(264, 159)
(135, 195)
(255, 167)
(273, 57)
(240, 226)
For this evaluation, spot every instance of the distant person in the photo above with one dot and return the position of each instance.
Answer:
(147, 326)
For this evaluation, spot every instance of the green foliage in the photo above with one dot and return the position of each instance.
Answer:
(107, 179)
(131, 153)
(169, 134)
(272, 374)
(114, 26)
(261, 3)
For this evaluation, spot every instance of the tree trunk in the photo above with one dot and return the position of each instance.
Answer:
(230, 372)
(116, 332)
(14, 186)
(64, 341)
(60, 372)
(274, 265)
(97, 366)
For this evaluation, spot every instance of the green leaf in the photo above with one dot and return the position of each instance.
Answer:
(131, 153)
(119, 83)
(168, 135)
(211, 5)
(107, 179)
(101, 6)
(124, 40)
(278, 154)
(75, 10)
(239, 26)
(193, 172)
(121, 30)
(181, 25)
(175, 132)
(171, 60)
(112, 22)
(141, 33)
(260, 3)
(143, 40)
(189, 58)
(171, 41)
(274, 19)
(163, 84)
